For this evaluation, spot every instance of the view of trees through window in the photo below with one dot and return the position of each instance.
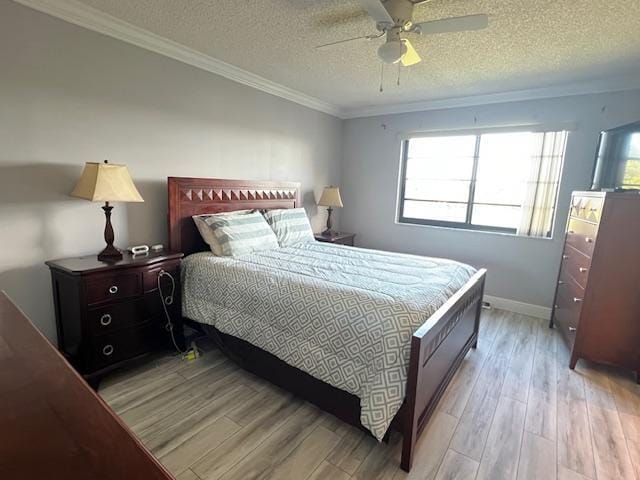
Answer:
(492, 181)
(632, 168)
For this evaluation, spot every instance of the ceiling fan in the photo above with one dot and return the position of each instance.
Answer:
(394, 19)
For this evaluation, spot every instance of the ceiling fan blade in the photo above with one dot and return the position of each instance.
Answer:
(455, 24)
(365, 37)
(376, 10)
(411, 57)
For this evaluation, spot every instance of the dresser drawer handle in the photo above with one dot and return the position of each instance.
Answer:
(577, 300)
(572, 329)
(107, 350)
(571, 232)
(560, 282)
(113, 289)
(105, 319)
(564, 257)
(583, 270)
(588, 240)
(593, 209)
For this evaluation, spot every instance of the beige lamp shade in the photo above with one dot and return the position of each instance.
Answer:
(330, 197)
(106, 182)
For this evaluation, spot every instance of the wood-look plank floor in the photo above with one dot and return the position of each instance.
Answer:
(513, 410)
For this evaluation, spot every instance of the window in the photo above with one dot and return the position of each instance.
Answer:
(631, 176)
(505, 182)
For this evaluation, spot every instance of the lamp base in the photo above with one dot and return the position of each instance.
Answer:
(110, 254)
(328, 232)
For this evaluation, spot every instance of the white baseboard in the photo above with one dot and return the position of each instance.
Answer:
(519, 307)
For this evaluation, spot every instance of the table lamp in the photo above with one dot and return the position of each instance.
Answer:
(107, 182)
(330, 198)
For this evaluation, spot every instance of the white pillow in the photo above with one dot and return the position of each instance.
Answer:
(207, 233)
(291, 225)
(236, 233)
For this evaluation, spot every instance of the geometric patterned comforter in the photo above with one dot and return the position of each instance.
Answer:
(344, 315)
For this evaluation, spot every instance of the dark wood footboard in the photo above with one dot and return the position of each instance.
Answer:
(437, 348)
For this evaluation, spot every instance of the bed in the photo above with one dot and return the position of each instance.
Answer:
(378, 335)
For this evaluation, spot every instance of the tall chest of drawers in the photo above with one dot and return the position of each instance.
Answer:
(597, 300)
(108, 315)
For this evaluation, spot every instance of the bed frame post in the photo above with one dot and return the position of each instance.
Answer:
(410, 432)
(478, 314)
(437, 349)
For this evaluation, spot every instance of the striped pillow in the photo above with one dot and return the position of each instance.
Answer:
(290, 225)
(238, 234)
(207, 233)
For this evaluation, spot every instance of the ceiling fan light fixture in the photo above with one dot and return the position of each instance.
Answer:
(392, 52)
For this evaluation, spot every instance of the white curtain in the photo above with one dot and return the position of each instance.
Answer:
(541, 185)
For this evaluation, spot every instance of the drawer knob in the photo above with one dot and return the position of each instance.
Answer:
(571, 231)
(107, 350)
(593, 209)
(583, 270)
(113, 289)
(577, 300)
(588, 240)
(560, 282)
(564, 257)
(572, 329)
(105, 319)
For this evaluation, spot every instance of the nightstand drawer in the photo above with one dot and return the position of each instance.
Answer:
(119, 315)
(113, 287)
(150, 277)
(122, 345)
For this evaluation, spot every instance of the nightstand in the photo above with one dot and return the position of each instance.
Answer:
(341, 238)
(110, 314)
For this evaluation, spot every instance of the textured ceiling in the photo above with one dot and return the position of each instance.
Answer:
(529, 44)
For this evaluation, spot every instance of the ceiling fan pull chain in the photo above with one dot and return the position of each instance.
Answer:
(381, 77)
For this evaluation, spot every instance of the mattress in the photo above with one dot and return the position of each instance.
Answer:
(344, 315)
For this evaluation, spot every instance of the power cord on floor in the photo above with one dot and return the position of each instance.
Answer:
(167, 300)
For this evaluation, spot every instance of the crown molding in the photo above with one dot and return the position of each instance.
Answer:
(84, 16)
(90, 18)
(616, 84)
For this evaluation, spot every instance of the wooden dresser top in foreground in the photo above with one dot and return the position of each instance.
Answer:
(52, 425)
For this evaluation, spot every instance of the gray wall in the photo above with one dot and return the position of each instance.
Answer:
(521, 269)
(68, 96)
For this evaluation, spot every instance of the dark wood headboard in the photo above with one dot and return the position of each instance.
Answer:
(194, 196)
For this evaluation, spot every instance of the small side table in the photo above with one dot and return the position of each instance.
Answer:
(340, 238)
(109, 314)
